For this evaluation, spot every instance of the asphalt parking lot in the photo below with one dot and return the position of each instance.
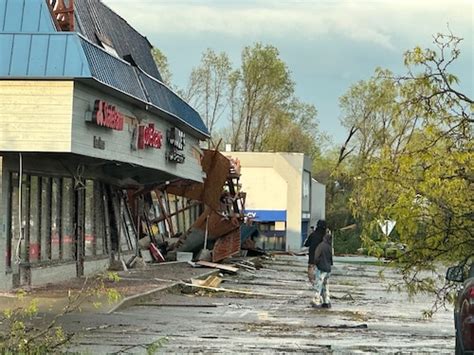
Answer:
(273, 314)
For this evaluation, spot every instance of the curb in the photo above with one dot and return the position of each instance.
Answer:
(140, 297)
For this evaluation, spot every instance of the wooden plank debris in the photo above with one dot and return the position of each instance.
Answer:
(248, 267)
(238, 292)
(223, 267)
(211, 281)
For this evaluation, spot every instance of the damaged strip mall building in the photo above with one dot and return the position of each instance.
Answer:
(96, 153)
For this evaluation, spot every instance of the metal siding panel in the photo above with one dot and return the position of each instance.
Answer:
(21, 51)
(45, 22)
(37, 65)
(42, 55)
(27, 120)
(55, 63)
(13, 13)
(6, 44)
(22, 16)
(25, 16)
(76, 62)
(3, 12)
(31, 16)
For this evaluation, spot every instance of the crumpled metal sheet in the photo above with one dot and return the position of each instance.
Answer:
(216, 166)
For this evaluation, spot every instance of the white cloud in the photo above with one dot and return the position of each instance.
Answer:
(375, 22)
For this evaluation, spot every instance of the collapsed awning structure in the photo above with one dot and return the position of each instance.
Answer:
(177, 215)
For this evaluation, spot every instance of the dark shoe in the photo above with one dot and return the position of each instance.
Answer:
(326, 305)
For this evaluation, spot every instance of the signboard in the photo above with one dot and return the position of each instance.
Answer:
(148, 136)
(387, 226)
(106, 115)
(98, 143)
(176, 142)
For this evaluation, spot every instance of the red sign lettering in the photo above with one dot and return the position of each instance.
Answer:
(148, 136)
(106, 115)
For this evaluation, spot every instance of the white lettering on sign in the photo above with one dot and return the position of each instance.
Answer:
(176, 142)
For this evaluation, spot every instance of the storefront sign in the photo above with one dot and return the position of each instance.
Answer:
(99, 143)
(106, 115)
(176, 141)
(148, 136)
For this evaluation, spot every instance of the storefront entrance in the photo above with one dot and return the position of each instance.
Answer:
(54, 220)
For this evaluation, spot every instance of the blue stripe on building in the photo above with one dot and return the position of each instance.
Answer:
(268, 215)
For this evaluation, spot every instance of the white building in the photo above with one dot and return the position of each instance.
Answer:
(282, 196)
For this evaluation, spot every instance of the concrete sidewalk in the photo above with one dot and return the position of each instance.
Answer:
(133, 286)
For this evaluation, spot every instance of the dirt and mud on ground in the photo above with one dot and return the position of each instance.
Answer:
(364, 318)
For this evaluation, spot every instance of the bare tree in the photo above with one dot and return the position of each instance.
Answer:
(208, 87)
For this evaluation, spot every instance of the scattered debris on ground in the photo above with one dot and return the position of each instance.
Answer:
(211, 281)
(268, 310)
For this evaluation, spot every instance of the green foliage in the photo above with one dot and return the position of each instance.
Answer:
(413, 162)
(157, 345)
(265, 86)
(346, 241)
(19, 336)
(293, 128)
(25, 331)
(101, 286)
(161, 62)
(257, 100)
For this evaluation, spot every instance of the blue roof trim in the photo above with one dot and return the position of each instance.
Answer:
(268, 215)
(42, 55)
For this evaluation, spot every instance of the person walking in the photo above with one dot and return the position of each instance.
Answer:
(323, 262)
(313, 240)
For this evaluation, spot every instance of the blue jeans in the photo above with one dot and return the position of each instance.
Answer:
(321, 288)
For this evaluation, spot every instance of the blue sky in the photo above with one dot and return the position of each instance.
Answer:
(328, 45)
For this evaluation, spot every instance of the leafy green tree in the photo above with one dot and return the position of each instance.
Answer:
(161, 62)
(257, 100)
(339, 186)
(367, 110)
(263, 86)
(294, 128)
(414, 139)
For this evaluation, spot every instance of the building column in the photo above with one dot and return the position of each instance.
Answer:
(5, 279)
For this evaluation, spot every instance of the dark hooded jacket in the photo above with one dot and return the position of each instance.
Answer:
(323, 254)
(314, 239)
